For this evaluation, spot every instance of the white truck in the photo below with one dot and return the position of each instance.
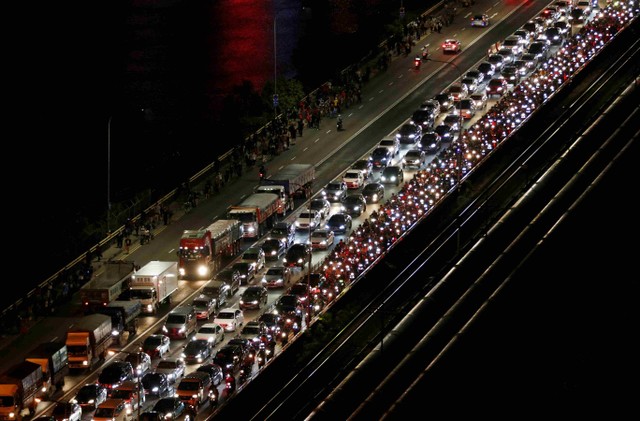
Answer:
(153, 285)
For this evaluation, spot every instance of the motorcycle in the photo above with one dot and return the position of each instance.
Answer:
(417, 62)
(262, 173)
(339, 123)
(229, 384)
(262, 357)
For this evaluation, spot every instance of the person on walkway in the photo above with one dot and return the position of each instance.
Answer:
(127, 245)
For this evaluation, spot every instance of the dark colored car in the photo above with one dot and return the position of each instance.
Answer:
(229, 276)
(335, 191)
(393, 174)
(445, 132)
(254, 297)
(409, 133)
(496, 87)
(196, 351)
(339, 222)
(289, 305)
(487, 69)
(365, 166)
(423, 118)
(156, 384)
(373, 193)
(354, 204)
(297, 255)
(284, 231)
(322, 206)
(247, 271)
(431, 142)
(114, 374)
(229, 357)
(172, 408)
(274, 248)
(446, 101)
(271, 321)
(90, 396)
(381, 157)
(414, 158)
(214, 370)
(431, 105)
(67, 411)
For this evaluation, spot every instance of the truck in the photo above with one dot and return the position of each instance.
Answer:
(107, 285)
(292, 181)
(54, 360)
(20, 391)
(124, 318)
(88, 341)
(153, 285)
(201, 251)
(257, 212)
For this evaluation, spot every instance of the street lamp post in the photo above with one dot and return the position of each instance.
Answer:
(138, 376)
(308, 301)
(109, 175)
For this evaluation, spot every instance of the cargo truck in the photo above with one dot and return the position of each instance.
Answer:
(107, 285)
(54, 359)
(292, 181)
(201, 251)
(124, 318)
(88, 341)
(153, 285)
(257, 213)
(20, 391)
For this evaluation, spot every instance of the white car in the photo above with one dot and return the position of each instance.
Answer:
(256, 256)
(353, 178)
(173, 368)
(231, 319)
(211, 332)
(321, 239)
(308, 220)
(276, 277)
(392, 144)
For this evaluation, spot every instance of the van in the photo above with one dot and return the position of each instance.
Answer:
(196, 389)
(181, 322)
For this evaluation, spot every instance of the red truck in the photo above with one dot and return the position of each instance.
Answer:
(201, 251)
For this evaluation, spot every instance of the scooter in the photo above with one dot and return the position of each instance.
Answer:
(417, 62)
(229, 384)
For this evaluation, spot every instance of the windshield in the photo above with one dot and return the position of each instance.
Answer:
(167, 364)
(275, 271)
(141, 294)
(224, 315)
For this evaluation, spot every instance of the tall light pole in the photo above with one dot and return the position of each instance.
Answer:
(308, 301)
(275, 70)
(109, 174)
(138, 376)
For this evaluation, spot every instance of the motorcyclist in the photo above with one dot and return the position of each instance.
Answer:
(339, 122)
(230, 383)
(262, 172)
(417, 62)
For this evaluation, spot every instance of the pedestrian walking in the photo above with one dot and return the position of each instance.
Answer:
(127, 245)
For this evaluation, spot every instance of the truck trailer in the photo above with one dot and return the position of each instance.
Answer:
(292, 181)
(88, 341)
(153, 285)
(20, 391)
(124, 318)
(107, 285)
(201, 251)
(257, 213)
(53, 357)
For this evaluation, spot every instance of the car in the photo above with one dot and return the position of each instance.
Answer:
(480, 20)
(466, 108)
(276, 277)
(380, 158)
(445, 100)
(141, 362)
(181, 322)
(67, 411)
(487, 69)
(452, 120)
(335, 191)
(563, 26)
(476, 75)
(214, 370)
(224, 285)
(414, 158)
(393, 174)
(496, 87)
(231, 319)
(451, 45)
(551, 14)
(514, 43)
(174, 368)
(90, 396)
(112, 410)
(458, 91)
(298, 255)
(247, 271)
(322, 206)
(511, 74)
(554, 35)
(229, 357)
(271, 321)
(431, 142)
(308, 220)
(497, 60)
(288, 305)
(340, 222)
(196, 351)
(253, 298)
(321, 239)
(472, 84)
(480, 100)
(530, 61)
(354, 204)
(534, 27)
(522, 67)
(156, 384)
(539, 49)
(445, 132)
(508, 54)
(422, 118)
(409, 134)
(392, 144)
(562, 5)
(432, 105)
(211, 332)
(373, 193)
(132, 392)
(584, 5)
(353, 178)
(284, 231)
(365, 166)
(172, 408)
(205, 306)
(274, 249)
(253, 331)
(256, 256)
(115, 373)
(156, 345)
